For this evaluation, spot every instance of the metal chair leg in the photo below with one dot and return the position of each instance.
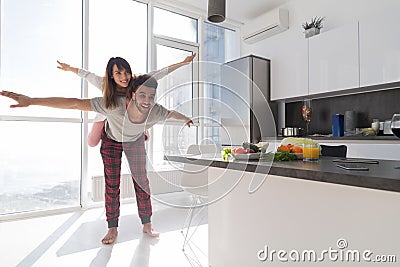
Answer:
(187, 249)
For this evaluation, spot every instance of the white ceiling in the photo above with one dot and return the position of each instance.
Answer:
(237, 10)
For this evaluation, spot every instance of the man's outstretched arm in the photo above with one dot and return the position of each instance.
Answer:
(53, 102)
(172, 114)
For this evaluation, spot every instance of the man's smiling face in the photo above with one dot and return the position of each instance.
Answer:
(144, 98)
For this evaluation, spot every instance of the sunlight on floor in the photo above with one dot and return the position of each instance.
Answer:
(73, 239)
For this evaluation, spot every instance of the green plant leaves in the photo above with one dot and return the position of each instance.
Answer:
(316, 22)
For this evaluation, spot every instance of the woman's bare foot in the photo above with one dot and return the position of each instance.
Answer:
(111, 236)
(150, 231)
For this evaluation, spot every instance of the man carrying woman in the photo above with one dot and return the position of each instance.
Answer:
(94, 136)
(128, 116)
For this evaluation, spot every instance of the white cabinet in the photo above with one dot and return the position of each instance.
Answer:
(354, 55)
(380, 49)
(289, 71)
(333, 56)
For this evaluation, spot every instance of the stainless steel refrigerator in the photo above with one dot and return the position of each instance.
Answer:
(249, 115)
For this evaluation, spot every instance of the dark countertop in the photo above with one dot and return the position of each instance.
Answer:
(370, 137)
(345, 138)
(382, 176)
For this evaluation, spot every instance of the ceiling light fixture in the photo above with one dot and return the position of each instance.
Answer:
(216, 11)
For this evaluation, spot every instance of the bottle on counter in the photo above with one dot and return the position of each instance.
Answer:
(337, 125)
(381, 127)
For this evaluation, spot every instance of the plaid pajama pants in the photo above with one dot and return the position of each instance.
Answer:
(135, 152)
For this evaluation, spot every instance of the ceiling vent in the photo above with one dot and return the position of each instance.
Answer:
(266, 25)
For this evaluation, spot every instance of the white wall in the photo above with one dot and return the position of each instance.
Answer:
(337, 13)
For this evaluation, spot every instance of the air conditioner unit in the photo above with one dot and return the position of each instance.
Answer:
(266, 25)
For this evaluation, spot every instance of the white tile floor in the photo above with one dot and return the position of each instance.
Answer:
(73, 239)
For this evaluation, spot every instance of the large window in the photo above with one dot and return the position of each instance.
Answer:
(40, 163)
(45, 162)
(34, 35)
(219, 46)
(167, 23)
(117, 28)
(40, 154)
(176, 91)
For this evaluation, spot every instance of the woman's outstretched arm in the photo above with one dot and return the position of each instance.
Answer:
(186, 61)
(53, 102)
(95, 80)
(67, 67)
(159, 74)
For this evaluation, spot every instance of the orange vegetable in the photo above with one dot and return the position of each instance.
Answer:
(290, 148)
(297, 150)
(283, 148)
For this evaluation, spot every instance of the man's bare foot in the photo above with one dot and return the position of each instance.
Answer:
(111, 236)
(150, 231)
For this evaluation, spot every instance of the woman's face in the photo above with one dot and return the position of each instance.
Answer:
(121, 77)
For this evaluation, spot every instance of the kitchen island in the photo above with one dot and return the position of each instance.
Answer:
(383, 176)
(300, 206)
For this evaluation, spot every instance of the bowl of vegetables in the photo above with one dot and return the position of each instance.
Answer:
(248, 151)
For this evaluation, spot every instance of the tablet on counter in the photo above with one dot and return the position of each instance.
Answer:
(352, 167)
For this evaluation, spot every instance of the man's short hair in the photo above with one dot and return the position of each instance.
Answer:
(145, 80)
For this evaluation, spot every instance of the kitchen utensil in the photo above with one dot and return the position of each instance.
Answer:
(386, 127)
(395, 125)
(381, 125)
(291, 131)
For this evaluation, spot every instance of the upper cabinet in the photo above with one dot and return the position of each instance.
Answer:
(289, 68)
(333, 60)
(380, 49)
(355, 55)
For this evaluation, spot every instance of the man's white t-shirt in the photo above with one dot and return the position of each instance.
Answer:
(118, 125)
(97, 81)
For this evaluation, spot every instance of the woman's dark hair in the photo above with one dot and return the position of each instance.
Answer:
(145, 80)
(109, 86)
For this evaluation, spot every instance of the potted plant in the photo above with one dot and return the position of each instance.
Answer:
(314, 27)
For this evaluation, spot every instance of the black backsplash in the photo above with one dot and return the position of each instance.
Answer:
(373, 105)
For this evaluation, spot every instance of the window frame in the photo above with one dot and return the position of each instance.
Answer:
(185, 46)
(37, 119)
(152, 41)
